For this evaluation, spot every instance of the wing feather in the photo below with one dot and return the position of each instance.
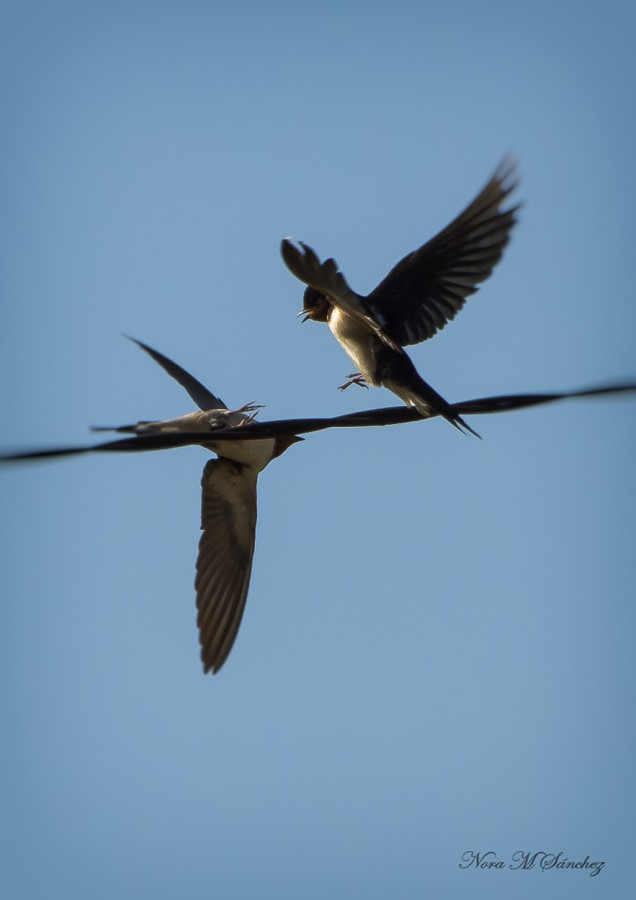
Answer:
(427, 288)
(203, 398)
(226, 549)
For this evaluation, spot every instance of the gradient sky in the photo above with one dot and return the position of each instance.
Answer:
(437, 652)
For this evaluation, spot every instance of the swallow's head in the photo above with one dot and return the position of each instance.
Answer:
(315, 305)
(284, 442)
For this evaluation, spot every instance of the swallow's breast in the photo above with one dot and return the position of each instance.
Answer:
(253, 453)
(360, 344)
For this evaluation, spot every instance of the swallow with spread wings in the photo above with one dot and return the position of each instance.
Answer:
(418, 297)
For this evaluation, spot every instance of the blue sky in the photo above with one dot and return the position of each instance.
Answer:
(437, 652)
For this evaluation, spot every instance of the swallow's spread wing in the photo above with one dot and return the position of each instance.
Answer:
(226, 548)
(428, 287)
(326, 278)
(203, 398)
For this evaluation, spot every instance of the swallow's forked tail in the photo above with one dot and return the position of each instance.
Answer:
(411, 388)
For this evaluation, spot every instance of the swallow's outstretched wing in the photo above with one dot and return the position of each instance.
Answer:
(226, 548)
(203, 398)
(427, 288)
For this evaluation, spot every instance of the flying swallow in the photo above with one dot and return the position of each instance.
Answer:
(423, 292)
(244, 447)
(228, 508)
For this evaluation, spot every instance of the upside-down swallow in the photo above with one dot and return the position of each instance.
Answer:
(423, 292)
(228, 509)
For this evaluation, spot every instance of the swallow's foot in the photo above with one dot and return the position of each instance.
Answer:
(250, 408)
(354, 378)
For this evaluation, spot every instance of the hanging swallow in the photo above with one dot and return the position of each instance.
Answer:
(228, 509)
(423, 292)
(244, 447)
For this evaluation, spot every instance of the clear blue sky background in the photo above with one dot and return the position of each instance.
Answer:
(437, 653)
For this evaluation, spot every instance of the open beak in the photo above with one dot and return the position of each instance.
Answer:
(304, 313)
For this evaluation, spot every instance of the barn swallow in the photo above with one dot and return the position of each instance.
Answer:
(228, 509)
(423, 292)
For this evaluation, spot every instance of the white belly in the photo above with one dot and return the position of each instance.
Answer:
(357, 341)
(254, 453)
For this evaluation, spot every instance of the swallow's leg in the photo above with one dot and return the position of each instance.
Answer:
(250, 408)
(354, 378)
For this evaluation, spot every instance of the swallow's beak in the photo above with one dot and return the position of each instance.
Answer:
(304, 313)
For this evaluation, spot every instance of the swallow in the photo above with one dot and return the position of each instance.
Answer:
(418, 297)
(228, 507)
